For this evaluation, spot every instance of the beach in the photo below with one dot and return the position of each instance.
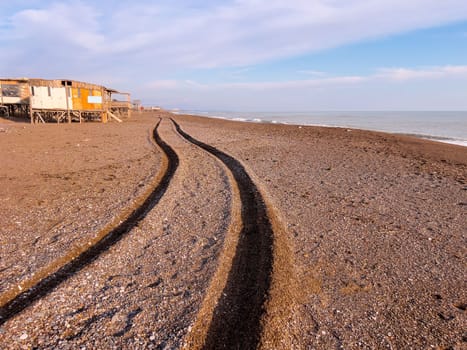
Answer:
(342, 238)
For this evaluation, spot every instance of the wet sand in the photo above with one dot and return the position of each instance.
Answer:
(369, 234)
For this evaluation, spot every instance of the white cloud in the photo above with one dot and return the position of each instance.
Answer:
(382, 74)
(437, 88)
(175, 84)
(141, 45)
(143, 36)
(314, 73)
(342, 80)
(60, 24)
(164, 84)
(266, 85)
(404, 74)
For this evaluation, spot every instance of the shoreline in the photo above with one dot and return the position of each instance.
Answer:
(424, 136)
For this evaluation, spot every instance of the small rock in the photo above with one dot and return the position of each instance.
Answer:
(24, 336)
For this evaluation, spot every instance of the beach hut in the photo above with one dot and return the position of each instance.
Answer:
(66, 100)
(61, 100)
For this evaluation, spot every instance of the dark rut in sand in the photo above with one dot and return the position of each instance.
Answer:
(236, 322)
(10, 308)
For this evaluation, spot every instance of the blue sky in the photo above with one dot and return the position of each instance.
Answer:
(239, 55)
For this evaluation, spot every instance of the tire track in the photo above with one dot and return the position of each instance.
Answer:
(44, 281)
(236, 320)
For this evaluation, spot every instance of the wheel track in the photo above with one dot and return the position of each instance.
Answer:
(236, 319)
(44, 281)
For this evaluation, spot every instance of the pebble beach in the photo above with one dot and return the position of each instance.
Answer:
(367, 245)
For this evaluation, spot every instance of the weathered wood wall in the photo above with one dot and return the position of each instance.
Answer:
(87, 99)
(14, 92)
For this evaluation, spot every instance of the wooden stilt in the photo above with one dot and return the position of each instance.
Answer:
(30, 110)
(114, 116)
(67, 94)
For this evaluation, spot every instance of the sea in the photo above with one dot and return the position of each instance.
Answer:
(443, 126)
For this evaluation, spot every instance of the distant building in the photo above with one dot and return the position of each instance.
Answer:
(137, 105)
(58, 101)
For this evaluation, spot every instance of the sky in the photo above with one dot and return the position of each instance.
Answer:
(248, 55)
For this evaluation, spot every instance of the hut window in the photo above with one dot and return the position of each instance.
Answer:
(90, 92)
(32, 91)
(79, 92)
(10, 90)
(49, 91)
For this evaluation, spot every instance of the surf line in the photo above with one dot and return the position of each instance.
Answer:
(45, 280)
(235, 321)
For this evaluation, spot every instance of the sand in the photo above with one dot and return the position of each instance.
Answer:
(377, 225)
(367, 246)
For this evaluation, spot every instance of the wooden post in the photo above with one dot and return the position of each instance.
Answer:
(1, 102)
(67, 94)
(129, 105)
(114, 117)
(1, 93)
(109, 104)
(30, 105)
(103, 113)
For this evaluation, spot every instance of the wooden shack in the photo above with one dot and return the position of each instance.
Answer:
(60, 100)
(66, 100)
(119, 104)
(14, 97)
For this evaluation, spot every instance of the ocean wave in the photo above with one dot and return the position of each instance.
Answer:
(452, 142)
(443, 139)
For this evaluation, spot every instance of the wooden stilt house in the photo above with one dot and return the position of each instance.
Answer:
(59, 101)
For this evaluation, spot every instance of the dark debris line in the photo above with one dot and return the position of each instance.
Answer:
(236, 323)
(46, 285)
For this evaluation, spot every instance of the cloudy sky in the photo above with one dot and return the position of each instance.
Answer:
(261, 55)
